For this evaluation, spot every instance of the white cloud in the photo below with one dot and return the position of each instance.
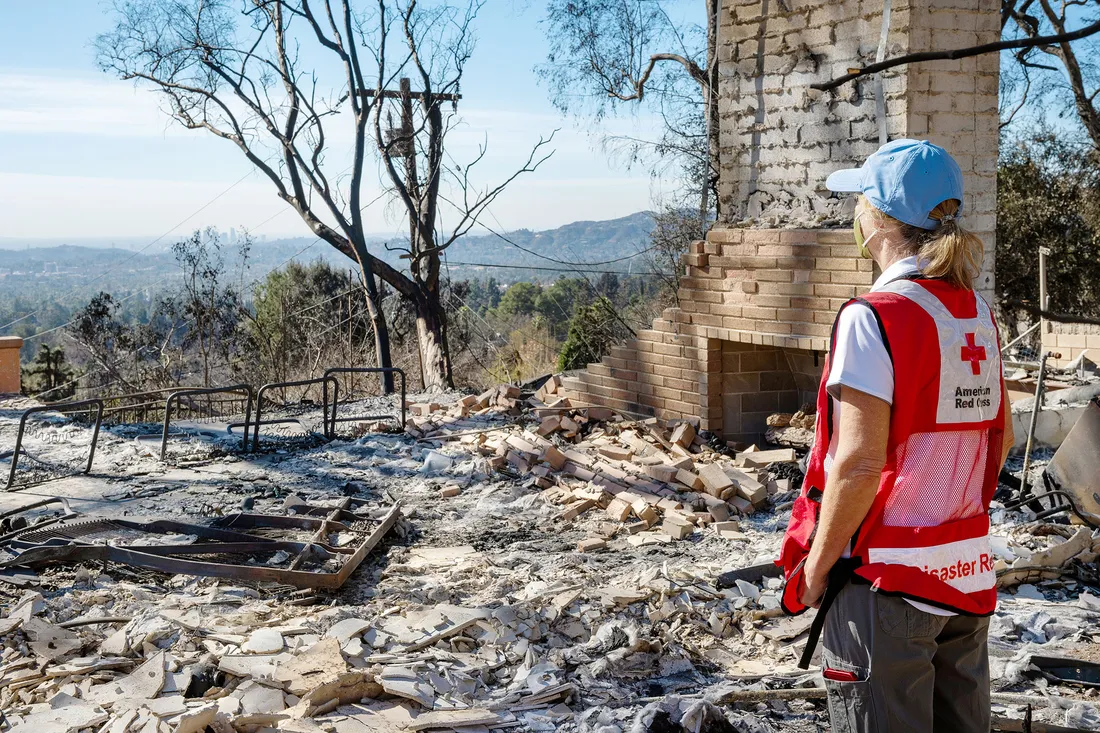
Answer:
(43, 103)
(49, 108)
(53, 102)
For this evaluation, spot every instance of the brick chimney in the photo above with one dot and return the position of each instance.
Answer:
(760, 294)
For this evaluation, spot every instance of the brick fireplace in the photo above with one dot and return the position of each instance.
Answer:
(759, 295)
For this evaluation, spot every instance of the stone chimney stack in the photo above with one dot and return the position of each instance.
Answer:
(761, 293)
(780, 139)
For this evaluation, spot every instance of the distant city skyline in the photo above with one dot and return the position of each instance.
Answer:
(86, 156)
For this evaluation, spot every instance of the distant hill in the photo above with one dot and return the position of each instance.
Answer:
(65, 255)
(579, 242)
(42, 283)
(74, 269)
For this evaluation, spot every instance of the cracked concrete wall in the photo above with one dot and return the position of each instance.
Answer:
(780, 139)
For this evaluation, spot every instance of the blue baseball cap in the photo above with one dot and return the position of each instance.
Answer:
(905, 179)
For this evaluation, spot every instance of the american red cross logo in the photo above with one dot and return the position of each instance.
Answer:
(973, 353)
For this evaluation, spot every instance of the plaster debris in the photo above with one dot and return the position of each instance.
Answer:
(575, 582)
(263, 641)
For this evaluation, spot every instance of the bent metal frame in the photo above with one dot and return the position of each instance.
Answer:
(225, 548)
(323, 381)
(79, 406)
(331, 428)
(242, 390)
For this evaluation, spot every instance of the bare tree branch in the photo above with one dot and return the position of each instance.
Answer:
(1006, 120)
(692, 68)
(470, 210)
(236, 70)
(958, 53)
(1050, 316)
(609, 52)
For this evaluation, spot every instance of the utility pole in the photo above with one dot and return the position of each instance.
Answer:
(407, 134)
(423, 259)
(403, 138)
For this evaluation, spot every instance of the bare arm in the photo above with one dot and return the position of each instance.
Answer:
(853, 481)
(1009, 436)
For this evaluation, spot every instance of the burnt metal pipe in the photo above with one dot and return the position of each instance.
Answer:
(1038, 404)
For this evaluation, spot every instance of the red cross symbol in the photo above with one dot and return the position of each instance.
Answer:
(973, 353)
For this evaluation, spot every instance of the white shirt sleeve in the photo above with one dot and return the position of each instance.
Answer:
(859, 358)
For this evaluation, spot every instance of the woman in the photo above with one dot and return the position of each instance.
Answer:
(889, 537)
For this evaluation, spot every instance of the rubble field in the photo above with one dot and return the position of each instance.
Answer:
(554, 567)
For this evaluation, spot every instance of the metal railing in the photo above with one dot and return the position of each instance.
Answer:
(81, 406)
(136, 407)
(178, 395)
(331, 427)
(323, 381)
(141, 404)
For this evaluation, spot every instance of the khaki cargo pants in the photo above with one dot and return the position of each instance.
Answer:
(914, 671)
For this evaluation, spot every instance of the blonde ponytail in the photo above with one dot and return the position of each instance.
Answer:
(949, 252)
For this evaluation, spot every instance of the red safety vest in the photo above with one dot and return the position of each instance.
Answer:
(926, 536)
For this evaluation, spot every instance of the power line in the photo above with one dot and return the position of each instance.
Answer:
(166, 277)
(162, 236)
(121, 300)
(79, 379)
(539, 254)
(82, 377)
(169, 276)
(554, 269)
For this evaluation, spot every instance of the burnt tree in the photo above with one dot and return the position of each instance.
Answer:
(426, 182)
(277, 78)
(605, 53)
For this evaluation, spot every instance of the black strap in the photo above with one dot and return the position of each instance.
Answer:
(839, 576)
(881, 327)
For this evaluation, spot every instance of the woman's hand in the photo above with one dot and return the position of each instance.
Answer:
(811, 587)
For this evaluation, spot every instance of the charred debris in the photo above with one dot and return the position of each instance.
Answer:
(506, 561)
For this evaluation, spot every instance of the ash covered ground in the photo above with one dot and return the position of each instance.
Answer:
(477, 602)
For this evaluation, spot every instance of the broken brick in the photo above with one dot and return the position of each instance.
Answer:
(591, 544)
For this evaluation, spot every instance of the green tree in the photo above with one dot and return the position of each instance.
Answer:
(1049, 195)
(481, 295)
(106, 342)
(49, 375)
(209, 307)
(307, 317)
(519, 299)
(608, 286)
(558, 303)
(593, 330)
(492, 293)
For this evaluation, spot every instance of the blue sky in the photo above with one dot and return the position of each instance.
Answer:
(83, 154)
